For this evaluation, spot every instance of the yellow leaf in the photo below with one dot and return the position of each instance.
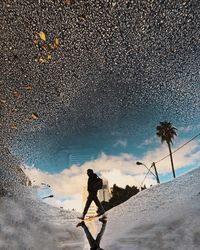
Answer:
(35, 116)
(42, 60)
(56, 43)
(42, 36)
(49, 57)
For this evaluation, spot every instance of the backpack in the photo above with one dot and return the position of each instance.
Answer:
(98, 184)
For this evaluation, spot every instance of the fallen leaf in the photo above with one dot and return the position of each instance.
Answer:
(28, 87)
(16, 94)
(3, 101)
(42, 60)
(56, 43)
(45, 47)
(69, 2)
(42, 36)
(14, 126)
(83, 17)
(49, 57)
(35, 116)
(36, 42)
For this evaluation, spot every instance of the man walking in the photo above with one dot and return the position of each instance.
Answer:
(92, 190)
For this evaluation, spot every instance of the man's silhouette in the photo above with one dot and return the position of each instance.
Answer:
(94, 244)
(92, 190)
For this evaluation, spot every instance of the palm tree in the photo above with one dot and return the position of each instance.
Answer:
(167, 132)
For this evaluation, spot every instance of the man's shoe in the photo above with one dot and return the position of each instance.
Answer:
(80, 224)
(81, 217)
(103, 220)
(101, 213)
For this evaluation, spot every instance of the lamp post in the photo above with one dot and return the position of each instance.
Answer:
(157, 177)
(149, 169)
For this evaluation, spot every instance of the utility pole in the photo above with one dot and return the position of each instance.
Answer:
(154, 166)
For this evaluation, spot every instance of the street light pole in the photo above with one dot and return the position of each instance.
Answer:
(157, 177)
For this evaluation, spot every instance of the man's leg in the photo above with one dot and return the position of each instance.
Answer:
(99, 205)
(92, 242)
(87, 205)
(100, 234)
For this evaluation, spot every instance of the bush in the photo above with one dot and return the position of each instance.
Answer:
(119, 195)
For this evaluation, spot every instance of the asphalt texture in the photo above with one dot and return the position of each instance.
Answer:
(110, 59)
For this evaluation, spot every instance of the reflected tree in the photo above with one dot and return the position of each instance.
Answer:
(166, 132)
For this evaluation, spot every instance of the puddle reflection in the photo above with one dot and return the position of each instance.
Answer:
(90, 229)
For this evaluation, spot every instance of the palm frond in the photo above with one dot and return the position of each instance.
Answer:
(166, 132)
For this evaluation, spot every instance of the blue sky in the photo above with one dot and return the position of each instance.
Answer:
(90, 147)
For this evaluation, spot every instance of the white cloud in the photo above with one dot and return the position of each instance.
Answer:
(148, 142)
(189, 128)
(185, 156)
(186, 129)
(75, 202)
(122, 143)
(67, 182)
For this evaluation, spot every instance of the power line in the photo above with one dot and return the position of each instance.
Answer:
(144, 179)
(168, 156)
(178, 148)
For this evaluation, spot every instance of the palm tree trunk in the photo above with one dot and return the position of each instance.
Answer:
(170, 152)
